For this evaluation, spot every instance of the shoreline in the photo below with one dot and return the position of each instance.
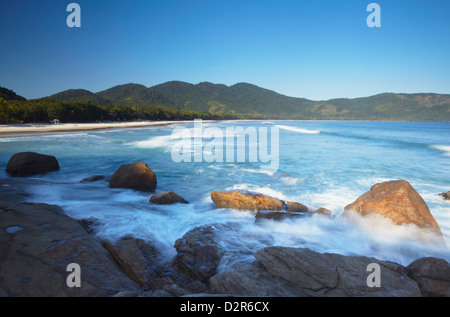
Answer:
(20, 129)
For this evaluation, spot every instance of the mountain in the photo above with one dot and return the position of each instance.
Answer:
(247, 100)
(8, 94)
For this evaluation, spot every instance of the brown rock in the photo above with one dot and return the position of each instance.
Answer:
(397, 201)
(243, 200)
(276, 215)
(324, 211)
(30, 163)
(167, 198)
(140, 260)
(134, 176)
(432, 275)
(38, 242)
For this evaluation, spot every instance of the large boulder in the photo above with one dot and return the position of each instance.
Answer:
(30, 163)
(167, 198)
(432, 275)
(243, 200)
(134, 176)
(141, 260)
(397, 201)
(39, 241)
(198, 253)
(293, 272)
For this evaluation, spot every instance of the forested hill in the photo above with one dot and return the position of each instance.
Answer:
(255, 102)
(7, 94)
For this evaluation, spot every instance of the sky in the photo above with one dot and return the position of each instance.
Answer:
(318, 49)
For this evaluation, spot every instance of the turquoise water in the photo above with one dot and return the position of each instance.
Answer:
(321, 164)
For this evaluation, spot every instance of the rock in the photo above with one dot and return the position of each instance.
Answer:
(167, 198)
(92, 179)
(276, 215)
(432, 275)
(90, 224)
(398, 202)
(38, 242)
(243, 200)
(446, 195)
(324, 211)
(30, 163)
(198, 253)
(134, 176)
(291, 272)
(295, 207)
(140, 260)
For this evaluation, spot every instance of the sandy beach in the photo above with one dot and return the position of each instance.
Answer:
(69, 127)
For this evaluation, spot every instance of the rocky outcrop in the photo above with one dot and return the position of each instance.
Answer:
(140, 260)
(432, 276)
(30, 163)
(136, 176)
(92, 179)
(397, 201)
(446, 195)
(167, 198)
(292, 272)
(324, 211)
(198, 253)
(38, 242)
(243, 200)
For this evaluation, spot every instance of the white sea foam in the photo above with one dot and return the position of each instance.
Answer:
(443, 148)
(296, 129)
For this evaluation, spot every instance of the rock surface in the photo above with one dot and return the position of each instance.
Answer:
(167, 198)
(432, 275)
(94, 178)
(140, 260)
(136, 176)
(30, 163)
(198, 253)
(446, 195)
(243, 200)
(281, 271)
(397, 201)
(38, 242)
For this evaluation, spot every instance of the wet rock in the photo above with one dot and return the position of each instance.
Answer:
(277, 215)
(243, 200)
(198, 253)
(139, 259)
(30, 163)
(34, 258)
(324, 211)
(446, 195)
(90, 224)
(94, 178)
(293, 272)
(136, 176)
(167, 198)
(432, 275)
(398, 202)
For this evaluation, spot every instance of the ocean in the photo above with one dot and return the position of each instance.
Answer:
(319, 164)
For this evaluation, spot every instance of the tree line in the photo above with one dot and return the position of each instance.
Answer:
(48, 109)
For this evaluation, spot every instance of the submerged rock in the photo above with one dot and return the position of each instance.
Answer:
(397, 201)
(30, 163)
(324, 211)
(243, 200)
(292, 272)
(277, 215)
(136, 176)
(94, 178)
(167, 198)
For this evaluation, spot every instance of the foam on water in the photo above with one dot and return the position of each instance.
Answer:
(296, 129)
(443, 148)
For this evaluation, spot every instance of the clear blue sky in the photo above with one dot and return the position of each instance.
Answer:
(319, 49)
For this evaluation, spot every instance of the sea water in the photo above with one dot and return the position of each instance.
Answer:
(321, 164)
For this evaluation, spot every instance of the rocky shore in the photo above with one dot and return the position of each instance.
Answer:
(39, 241)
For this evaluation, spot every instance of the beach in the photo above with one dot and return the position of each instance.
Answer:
(70, 127)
